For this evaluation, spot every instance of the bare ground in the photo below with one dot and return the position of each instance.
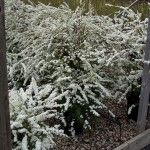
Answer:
(104, 135)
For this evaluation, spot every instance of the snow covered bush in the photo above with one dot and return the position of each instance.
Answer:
(86, 59)
(30, 112)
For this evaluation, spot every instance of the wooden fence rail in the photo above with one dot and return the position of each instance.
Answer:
(137, 143)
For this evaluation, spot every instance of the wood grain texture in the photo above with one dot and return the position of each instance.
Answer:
(5, 140)
(145, 90)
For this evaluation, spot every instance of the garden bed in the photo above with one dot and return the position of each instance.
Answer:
(61, 60)
(104, 135)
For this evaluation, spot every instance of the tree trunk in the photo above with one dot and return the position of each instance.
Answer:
(5, 134)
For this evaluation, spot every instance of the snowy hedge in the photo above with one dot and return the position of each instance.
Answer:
(29, 114)
(59, 58)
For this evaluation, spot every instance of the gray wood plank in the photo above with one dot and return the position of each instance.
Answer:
(145, 90)
(5, 140)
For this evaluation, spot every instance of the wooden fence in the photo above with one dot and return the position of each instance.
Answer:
(5, 134)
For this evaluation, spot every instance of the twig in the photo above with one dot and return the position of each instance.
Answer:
(126, 8)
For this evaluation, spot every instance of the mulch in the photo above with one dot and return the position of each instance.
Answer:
(104, 135)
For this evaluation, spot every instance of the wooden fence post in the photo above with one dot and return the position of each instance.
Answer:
(5, 134)
(145, 88)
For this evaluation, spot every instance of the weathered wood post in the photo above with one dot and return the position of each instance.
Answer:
(145, 88)
(5, 140)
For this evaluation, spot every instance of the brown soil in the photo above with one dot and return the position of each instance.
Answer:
(104, 135)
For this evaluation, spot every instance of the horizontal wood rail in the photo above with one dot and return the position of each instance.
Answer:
(137, 143)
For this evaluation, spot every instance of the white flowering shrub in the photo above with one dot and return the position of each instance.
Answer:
(81, 60)
(30, 112)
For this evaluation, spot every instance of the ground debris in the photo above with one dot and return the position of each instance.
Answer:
(104, 135)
